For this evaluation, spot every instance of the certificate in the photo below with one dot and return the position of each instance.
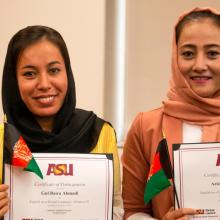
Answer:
(197, 178)
(74, 187)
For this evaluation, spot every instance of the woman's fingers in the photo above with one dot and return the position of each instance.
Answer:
(4, 200)
(3, 210)
(181, 214)
(3, 187)
(3, 192)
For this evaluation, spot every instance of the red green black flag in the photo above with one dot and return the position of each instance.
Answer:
(16, 151)
(160, 172)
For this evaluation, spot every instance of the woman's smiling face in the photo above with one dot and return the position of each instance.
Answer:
(42, 78)
(199, 56)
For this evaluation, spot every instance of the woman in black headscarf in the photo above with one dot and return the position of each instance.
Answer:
(38, 96)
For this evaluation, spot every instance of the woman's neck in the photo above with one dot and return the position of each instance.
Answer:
(46, 123)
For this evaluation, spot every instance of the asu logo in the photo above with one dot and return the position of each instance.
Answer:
(60, 169)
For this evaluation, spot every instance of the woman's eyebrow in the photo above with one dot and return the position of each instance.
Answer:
(33, 67)
(53, 62)
(194, 46)
(187, 45)
(28, 67)
(212, 45)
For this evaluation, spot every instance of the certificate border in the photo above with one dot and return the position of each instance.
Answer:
(109, 157)
(177, 147)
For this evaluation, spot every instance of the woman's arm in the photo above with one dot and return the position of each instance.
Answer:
(135, 172)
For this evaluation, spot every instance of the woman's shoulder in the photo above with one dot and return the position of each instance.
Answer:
(107, 131)
(107, 139)
(107, 127)
(157, 112)
(148, 118)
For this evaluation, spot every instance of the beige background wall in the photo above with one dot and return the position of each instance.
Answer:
(148, 50)
(82, 23)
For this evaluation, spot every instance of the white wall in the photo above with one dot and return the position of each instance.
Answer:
(82, 25)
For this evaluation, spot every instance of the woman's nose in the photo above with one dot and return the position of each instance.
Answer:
(44, 81)
(200, 64)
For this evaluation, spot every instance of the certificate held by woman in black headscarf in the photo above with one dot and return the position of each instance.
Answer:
(74, 186)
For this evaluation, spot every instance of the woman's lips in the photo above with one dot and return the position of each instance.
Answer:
(45, 100)
(200, 79)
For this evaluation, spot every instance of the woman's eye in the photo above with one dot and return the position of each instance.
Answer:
(54, 70)
(187, 54)
(29, 74)
(213, 54)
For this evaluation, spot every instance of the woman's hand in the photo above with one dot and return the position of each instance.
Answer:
(182, 213)
(4, 200)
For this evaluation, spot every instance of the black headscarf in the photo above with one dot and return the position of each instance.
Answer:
(75, 130)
